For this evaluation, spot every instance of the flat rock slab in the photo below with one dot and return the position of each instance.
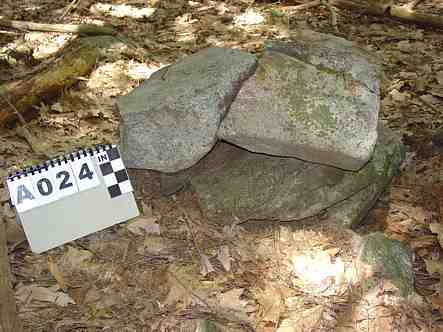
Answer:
(170, 121)
(316, 99)
(249, 186)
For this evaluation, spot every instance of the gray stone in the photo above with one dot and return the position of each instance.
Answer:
(170, 183)
(390, 258)
(170, 121)
(316, 99)
(248, 186)
(331, 52)
(353, 210)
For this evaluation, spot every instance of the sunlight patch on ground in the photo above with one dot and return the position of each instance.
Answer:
(316, 271)
(142, 71)
(249, 17)
(122, 10)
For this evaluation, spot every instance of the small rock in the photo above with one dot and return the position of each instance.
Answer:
(390, 258)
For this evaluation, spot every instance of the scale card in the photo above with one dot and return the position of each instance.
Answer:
(69, 197)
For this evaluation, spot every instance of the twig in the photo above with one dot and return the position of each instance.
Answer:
(23, 130)
(8, 311)
(21, 119)
(190, 291)
(397, 12)
(333, 14)
(81, 29)
(194, 241)
(72, 5)
(412, 4)
(308, 5)
(428, 104)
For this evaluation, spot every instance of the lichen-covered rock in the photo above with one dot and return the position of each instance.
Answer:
(248, 186)
(390, 258)
(170, 121)
(316, 99)
(353, 210)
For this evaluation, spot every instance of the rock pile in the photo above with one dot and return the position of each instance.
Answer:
(302, 118)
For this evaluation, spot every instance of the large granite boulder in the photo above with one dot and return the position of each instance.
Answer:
(170, 121)
(246, 186)
(316, 99)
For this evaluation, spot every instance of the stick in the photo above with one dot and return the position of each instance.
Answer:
(81, 29)
(23, 130)
(308, 5)
(412, 4)
(402, 13)
(75, 61)
(405, 14)
(71, 6)
(333, 14)
(8, 312)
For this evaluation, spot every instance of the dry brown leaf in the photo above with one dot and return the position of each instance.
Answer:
(206, 266)
(144, 225)
(14, 232)
(437, 228)
(28, 294)
(437, 302)
(307, 320)
(423, 241)
(224, 256)
(270, 301)
(157, 245)
(75, 259)
(184, 287)
(435, 267)
(230, 300)
(53, 268)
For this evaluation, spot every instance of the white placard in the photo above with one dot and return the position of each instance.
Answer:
(84, 172)
(22, 193)
(114, 171)
(44, 186)
(72, 196)
(64, 178)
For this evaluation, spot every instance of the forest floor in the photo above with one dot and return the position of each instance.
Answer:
(170, 270)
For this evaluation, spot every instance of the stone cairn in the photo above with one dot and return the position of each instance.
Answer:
(286, 136)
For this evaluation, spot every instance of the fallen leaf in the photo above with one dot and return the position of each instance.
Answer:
(53, 268)
(27, 294)
(307, 320)
(437, 302)
(144, 225)
(434, 266)
(206, 266)
(399, 96)
(430, 99)
(157, 245)
(224, 256)
(437, 229)
(75, 259)
(58, 108)
(270, 301)
(230, 300)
